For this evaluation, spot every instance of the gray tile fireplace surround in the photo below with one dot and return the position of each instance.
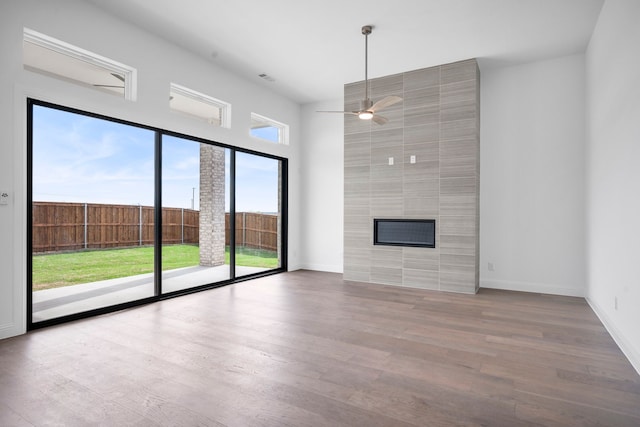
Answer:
(438, 123)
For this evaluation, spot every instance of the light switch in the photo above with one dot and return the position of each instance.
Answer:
(390, 161)
(4, 197)
(412, 159)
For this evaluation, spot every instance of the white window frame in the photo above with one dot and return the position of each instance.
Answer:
(283, 134)
(130, 74)
(225, 107)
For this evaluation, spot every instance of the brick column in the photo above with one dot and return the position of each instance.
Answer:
(212, 227)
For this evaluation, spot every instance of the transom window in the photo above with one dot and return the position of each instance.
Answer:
(268, 129)
(196, 104)
(49, 56)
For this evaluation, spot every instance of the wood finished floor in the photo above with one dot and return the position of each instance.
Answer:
(308, 349)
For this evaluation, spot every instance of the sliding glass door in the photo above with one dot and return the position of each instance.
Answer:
(258, 214)
(92, 213)
(195, 191)
(122, 214)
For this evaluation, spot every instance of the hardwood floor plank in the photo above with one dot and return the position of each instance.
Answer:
(9, 417)
(550, 411)
(445, 403)
(626, 385)
(309, 349)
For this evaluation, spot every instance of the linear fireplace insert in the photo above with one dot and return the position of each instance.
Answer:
(405, 232)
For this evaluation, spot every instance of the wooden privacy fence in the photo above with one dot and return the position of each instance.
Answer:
(58, 226)
(254, 230)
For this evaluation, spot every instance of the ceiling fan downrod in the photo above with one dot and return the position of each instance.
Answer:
(366, 102)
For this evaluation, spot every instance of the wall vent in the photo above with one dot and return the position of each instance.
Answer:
(266, 77)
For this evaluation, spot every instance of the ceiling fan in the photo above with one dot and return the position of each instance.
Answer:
(368, 110)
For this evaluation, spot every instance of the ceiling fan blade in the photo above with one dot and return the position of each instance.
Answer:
(118, 76)
(379, 119)
(341, 112)
(385, 102)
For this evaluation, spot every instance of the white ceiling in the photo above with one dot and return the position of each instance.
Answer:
(312, 48)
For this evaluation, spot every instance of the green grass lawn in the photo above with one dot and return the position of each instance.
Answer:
(56, 270)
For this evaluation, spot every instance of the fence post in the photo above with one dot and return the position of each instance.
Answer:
(139, 224)
(182, 225)
(85, 226)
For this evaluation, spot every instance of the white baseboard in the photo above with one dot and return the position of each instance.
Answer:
(322, 267)
(627, 348)
(540, 288)
(293, 267)
(11, 330)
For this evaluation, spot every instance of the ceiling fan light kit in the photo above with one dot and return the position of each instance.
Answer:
(368, 110)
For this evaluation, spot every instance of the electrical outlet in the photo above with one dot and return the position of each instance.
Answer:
(412, 159)
(390, 161)
(4, 197)
(490, 266)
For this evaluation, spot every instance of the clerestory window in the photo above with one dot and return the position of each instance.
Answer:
(268, 129)
(55, 58)
(199, 105)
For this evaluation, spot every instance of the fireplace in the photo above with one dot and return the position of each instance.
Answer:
(405, 232)
(434, 175)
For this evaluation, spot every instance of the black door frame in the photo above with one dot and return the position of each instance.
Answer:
(159, 133)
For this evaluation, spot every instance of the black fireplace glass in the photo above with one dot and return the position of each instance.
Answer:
(405, 232)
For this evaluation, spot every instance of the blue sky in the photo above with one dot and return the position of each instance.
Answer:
(83, 159)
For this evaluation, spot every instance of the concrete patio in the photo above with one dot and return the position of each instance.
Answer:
(57, 302)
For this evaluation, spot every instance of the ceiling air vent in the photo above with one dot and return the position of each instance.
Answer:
(266, 77)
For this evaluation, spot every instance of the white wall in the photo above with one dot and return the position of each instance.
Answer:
(532, 218)
(322, 201)
(532, 187)
(613, 173)
(158, 64)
